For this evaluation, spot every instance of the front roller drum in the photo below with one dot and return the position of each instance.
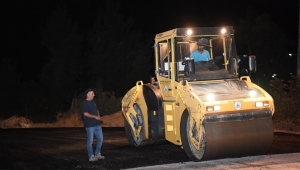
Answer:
(238, 138)
(227, 138)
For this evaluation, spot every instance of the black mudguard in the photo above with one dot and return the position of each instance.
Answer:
(153, 100)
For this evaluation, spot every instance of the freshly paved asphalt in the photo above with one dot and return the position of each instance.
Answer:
(65, 148)
(290, 161)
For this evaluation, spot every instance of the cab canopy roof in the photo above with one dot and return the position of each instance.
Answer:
(197, 31)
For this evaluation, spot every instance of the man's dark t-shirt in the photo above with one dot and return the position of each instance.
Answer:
(90, 107)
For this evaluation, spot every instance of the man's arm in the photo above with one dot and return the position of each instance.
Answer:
(87, 114)
(208, 56)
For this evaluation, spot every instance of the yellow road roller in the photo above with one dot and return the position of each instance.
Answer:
(201, 98)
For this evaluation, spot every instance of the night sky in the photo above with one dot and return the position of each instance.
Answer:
(21, 21)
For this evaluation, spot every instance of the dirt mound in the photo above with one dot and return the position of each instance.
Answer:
(113, 120)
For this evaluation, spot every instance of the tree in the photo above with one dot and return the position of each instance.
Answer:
(118, 56)
(9, 88)
(61, 74)
(258, 35)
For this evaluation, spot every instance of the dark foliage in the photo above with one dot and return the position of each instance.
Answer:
(110, 56)
(258, 35)
(114, 55)
(286, 95)
(9, 88)
(118, 56)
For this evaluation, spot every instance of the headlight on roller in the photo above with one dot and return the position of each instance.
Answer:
(210, 97)
(252, 93)
(261, 104)
(213, 108)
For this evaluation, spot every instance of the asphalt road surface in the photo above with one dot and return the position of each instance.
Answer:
(65, 148)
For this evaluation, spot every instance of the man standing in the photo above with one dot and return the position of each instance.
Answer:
(91, 119)
(201, 54)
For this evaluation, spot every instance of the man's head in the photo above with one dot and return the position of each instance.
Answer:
(200, 47)
(202, 42)
(152, 80)
(89, 94)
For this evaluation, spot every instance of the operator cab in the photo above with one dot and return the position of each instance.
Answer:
(174, 54)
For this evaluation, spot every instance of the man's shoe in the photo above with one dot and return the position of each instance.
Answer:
(99, 156)
(93, 158)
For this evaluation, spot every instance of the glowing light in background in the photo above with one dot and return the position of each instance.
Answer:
(223, 31)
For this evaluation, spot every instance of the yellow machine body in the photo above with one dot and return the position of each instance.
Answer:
(210, 108)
